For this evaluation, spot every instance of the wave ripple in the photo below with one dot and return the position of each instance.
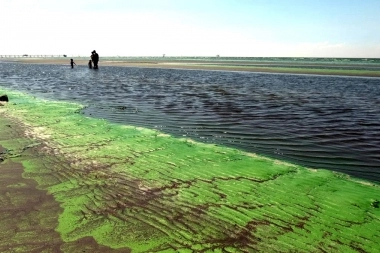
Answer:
(326, 122)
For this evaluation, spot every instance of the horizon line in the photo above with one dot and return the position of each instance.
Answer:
(166, 56)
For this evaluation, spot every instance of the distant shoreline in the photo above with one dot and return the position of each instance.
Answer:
(316, 68)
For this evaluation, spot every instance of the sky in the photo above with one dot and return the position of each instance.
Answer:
(229, 28)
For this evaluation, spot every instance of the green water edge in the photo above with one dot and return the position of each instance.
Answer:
(137, 188)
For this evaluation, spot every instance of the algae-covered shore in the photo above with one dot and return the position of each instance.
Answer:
(29, 213)
(319, 68)
(90, 185)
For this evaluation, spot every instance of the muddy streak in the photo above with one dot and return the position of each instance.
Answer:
(29, 216)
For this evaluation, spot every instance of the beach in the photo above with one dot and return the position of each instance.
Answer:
(189, 126)
(343, 69)
(113, 187)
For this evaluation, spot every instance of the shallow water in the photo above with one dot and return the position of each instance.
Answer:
(326, 122)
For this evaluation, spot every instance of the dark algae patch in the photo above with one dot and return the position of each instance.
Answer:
(131, 188)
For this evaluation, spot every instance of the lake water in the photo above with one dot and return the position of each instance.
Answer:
(328, 122)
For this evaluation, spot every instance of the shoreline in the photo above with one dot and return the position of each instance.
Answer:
(284, 68)
(118, 183)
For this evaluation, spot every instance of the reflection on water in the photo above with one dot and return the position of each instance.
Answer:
(318, 121)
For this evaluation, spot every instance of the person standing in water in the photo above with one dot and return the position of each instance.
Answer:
(95, 59)
(72, 63)
(90, 64)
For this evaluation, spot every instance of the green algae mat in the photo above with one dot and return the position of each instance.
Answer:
(140, 190)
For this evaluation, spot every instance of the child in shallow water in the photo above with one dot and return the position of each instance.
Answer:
(90, 64)
(72, 63)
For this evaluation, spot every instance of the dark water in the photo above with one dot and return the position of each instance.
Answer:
(326, 122)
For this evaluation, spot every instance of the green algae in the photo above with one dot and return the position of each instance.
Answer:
(138, 188)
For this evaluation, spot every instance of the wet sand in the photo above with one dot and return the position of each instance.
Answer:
(296, 68)
(29, 214)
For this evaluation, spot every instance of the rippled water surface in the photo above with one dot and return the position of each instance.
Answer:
(319, 121)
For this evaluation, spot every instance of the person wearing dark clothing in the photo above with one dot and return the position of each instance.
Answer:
(90, 64)
(95, 59)
(72, 63)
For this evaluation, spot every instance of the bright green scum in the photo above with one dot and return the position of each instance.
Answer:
(144, 190)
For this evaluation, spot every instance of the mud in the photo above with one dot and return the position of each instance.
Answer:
(29, 215)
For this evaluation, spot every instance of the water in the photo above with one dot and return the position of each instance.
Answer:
(328, 122)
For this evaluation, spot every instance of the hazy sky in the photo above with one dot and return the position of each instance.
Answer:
(295, 28)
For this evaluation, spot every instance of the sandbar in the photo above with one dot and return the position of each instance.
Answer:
(248, 66)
